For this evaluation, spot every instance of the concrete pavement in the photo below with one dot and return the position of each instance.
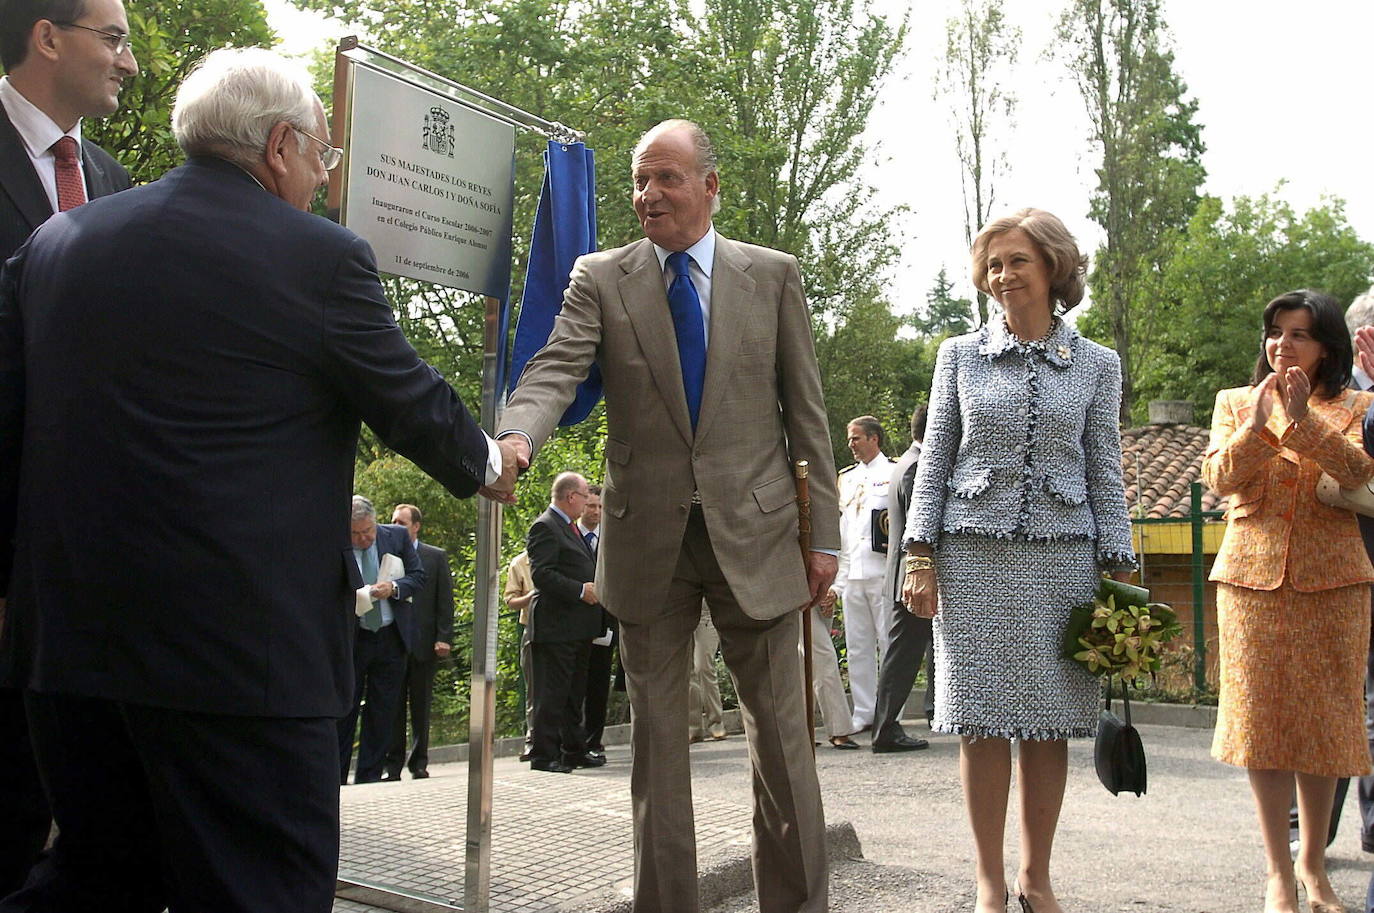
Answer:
(562, 842)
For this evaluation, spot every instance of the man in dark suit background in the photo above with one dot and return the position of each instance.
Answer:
(385, 634)
(566, 616)
(183, 369)
(433, 610)
(600, 657)
(910, 637)
(57, 72)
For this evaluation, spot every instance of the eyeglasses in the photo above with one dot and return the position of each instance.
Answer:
(117, 41)
(330, 155)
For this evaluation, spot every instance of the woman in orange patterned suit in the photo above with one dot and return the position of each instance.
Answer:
(1292, 586)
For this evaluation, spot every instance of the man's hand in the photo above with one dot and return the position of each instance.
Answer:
(515, 456)
(442, 650)
(820, 573)
(589, 593)
(384, 590)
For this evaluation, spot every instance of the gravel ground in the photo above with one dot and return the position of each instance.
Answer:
(1189, 846)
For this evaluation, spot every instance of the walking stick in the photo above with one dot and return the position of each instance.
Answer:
(801, 469)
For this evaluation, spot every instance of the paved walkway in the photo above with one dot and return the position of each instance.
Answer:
(562, 842)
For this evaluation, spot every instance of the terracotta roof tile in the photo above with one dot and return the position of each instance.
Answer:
(1159, 464)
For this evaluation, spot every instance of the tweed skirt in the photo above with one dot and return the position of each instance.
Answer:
(1292, 679)
(1004, 605)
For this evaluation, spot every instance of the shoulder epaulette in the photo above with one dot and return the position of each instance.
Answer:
(847, 468)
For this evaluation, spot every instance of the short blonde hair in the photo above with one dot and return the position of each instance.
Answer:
(1068, 267)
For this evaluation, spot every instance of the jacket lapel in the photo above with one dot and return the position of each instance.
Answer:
(645, 300)
(568, 531)
(18, 177)
(98, 183)
(731, 292)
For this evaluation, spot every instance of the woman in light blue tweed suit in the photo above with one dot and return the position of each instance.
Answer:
(1018, 506)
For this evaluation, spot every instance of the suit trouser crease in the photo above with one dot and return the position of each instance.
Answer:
(25, 819)
(866, 630)
(909, 642)
(560, 675)
(825, 679)
(416, 704)
(159, 816)
(599, 660)
(789, 857)
(379, 669)
(704, 708)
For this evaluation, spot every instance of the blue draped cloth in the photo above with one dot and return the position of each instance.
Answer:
(564, 229)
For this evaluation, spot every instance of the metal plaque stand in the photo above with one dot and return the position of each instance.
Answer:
(482, 706)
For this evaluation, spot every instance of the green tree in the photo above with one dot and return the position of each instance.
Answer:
(980, 49)
(784, 89)
(945, 315)
(1142, 123)
(169, 38)
(1229, 263)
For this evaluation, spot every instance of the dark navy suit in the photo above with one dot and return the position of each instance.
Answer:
(24, 816)
(183, 369)
(379, 665)
(563, 627)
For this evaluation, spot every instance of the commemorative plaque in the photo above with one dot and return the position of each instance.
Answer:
(430, 184)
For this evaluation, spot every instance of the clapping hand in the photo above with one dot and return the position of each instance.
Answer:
(1295, 388)
(1262, 402)
(1364, 350)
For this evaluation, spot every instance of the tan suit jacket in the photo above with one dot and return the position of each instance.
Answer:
(762, 408)
(1276, 527)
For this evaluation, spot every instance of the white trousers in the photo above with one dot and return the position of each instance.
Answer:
(825, 678)
(703, 690)
(867, 629)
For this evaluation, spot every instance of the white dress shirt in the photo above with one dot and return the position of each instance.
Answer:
(39, 133)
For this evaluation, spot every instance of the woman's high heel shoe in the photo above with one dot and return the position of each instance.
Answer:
(1317, 906)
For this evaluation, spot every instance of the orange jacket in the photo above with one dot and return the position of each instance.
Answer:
(1275, 526)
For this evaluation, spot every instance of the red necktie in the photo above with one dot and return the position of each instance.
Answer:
(71, 191)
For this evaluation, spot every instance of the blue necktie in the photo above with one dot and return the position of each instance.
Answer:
(691, 332)
(372, 621)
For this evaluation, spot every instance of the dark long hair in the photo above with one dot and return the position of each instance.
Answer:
(1328, 328)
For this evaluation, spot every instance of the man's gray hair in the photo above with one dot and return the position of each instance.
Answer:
(362, 508)
(233, 98)
(1361, 312)
(706, 152)
(565, 483)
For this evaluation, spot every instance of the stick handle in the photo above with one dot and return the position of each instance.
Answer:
(802, 470)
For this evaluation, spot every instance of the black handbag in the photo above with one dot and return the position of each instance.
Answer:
(1118, 753)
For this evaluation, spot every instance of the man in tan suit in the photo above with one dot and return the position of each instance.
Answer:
(712, 390)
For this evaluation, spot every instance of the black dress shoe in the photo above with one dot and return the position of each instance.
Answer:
(525, 755)
(585, 759)
(418, 775)
(901, 743)
(553, 767)
(844, 742)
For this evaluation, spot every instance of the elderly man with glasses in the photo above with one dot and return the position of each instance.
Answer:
(64, 60)
(183, 372)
